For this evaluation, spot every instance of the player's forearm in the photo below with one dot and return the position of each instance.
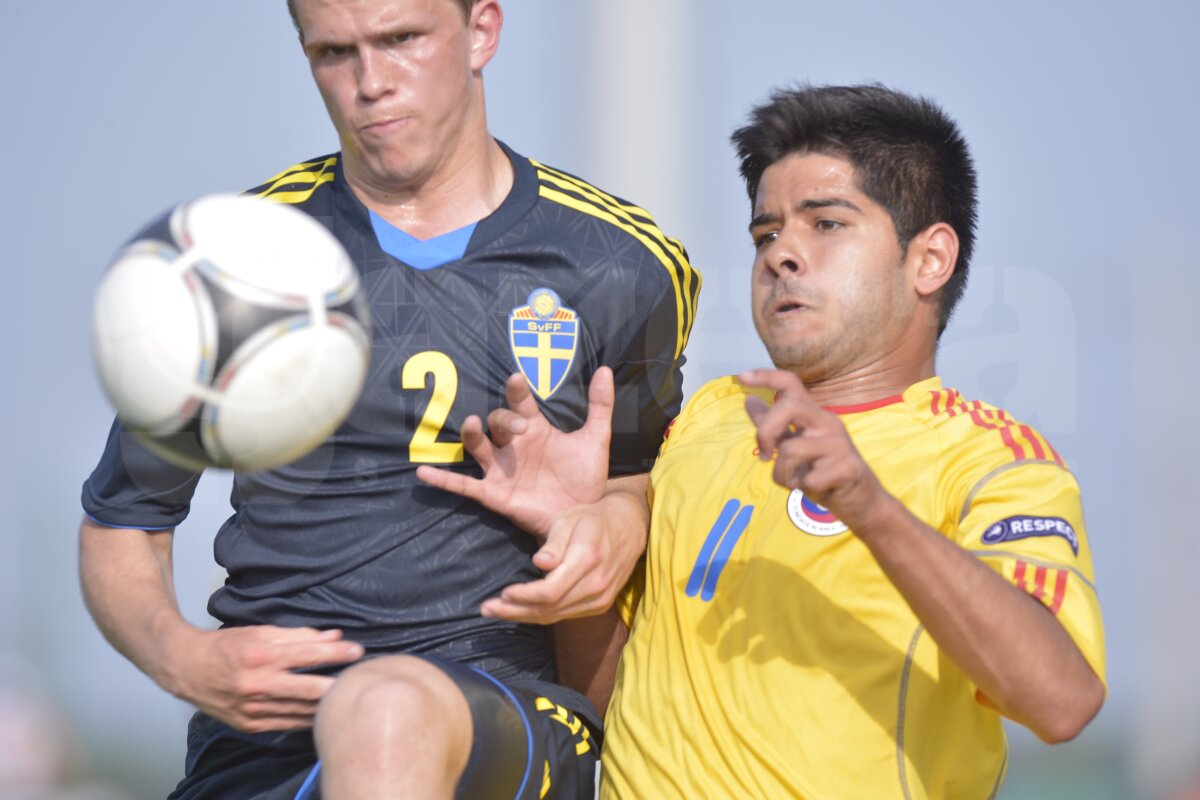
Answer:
(586, 652)
(587, 649)
(127, 584)
(1006, 642)
(625, 501)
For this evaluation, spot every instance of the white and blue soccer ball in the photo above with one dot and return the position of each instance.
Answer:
(240, 338)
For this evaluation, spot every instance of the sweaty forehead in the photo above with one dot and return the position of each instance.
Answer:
(320, 19)
(803, 175)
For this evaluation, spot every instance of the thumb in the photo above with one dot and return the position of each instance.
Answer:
(550, 555)
(600, 403)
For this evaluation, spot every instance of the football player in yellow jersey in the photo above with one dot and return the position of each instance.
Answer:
(852, 572)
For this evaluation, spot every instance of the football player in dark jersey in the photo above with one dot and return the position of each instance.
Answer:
(351, 629)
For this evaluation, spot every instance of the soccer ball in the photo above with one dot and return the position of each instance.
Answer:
(234, 334)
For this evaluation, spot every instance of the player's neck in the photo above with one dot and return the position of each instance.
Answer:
(468, 185)
(886, 377)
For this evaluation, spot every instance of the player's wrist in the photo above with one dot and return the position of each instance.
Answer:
(878, 517)
(175, 638)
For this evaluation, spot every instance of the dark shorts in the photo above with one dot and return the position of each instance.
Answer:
(525, 747)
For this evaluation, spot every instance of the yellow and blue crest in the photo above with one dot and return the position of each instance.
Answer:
(545, 337)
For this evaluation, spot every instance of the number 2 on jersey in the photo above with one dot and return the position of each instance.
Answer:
(424, 447)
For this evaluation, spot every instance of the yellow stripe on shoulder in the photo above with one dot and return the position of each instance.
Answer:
(580, 195)
(298, 182)
(570, 201)
(635, 214)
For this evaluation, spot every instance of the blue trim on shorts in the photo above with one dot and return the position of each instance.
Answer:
(308, 782)
(528, 728)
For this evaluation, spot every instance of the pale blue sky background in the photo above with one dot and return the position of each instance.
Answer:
(1079, 317)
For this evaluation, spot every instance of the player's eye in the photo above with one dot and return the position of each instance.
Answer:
(764, 238)
(331, 52)
(399, 38)
(829, 225)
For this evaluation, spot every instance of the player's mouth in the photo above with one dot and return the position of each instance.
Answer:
(383, 127)
(789, 306)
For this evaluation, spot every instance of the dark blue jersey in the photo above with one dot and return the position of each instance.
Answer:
(559, 280)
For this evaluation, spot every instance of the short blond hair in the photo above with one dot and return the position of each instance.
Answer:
(464, 5)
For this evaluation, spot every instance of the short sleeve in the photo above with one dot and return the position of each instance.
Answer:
(1025, 521)
(131, 487)
(648, 367)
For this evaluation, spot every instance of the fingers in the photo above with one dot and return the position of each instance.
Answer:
(601, 396)
(573, 588)
(756, 409)
(455, 482)
(779, 380)
(247, 676)
(792, 412)
(538, 602)
(271, 633)
(288, 702)
(505, 425)
(476, 441)
(794, 461)
(519, 397)
(302, 655)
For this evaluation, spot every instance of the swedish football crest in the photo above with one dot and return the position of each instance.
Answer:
(544, 336)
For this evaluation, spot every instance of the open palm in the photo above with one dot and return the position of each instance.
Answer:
(532, 471)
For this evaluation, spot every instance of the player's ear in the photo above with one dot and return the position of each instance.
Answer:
(483, 26)
(933, 254)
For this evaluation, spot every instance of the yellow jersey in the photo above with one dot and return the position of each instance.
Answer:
(770, 657)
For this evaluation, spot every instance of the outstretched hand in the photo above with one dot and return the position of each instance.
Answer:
(533, 471)
(812, 449)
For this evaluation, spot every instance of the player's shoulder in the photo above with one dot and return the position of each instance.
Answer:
(602, 208)
(570, 190)
(723, 391)
(720, 402)
(606, 232)
(978, 430)
(304, 183)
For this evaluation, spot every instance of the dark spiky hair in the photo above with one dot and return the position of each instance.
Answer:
(907, 154)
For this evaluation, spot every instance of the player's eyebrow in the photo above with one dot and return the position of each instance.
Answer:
(803, 206)
(321, 45)
(763, 219)
(826, 202)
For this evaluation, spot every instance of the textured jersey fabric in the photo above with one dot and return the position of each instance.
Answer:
(771, 657)
(559, 280)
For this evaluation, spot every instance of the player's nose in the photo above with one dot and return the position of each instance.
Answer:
(374, 79)
(785, 257)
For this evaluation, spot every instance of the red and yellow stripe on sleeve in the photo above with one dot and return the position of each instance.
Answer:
(1045, 584)
(1020, 439)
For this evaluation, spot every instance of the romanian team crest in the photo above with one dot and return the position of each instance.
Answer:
(544, 337)
(812, 518)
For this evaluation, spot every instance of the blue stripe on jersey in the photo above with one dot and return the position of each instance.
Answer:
(710, 545)
(717, 547)
(723, 552)
(417, 253)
